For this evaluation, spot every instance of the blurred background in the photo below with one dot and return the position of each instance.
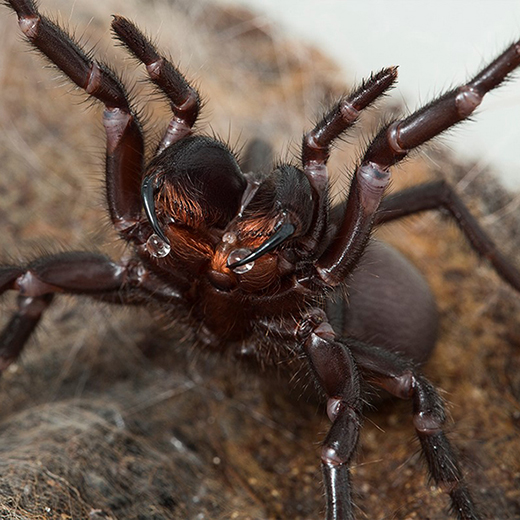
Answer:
(108, 414)
(436, 45)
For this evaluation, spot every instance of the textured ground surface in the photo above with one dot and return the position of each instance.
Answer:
(106, 417)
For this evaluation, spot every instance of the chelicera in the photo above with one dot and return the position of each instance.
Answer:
(255, 259)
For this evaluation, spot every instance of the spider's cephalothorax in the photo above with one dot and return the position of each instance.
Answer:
(251, 254)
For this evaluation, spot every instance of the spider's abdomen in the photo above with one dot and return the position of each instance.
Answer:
(390, 304)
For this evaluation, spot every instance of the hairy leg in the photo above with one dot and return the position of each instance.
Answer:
(400, 378)
(336, 372)
(184, 100)
(391, 145)
(83, 273)
(440, 195)
(125, 145)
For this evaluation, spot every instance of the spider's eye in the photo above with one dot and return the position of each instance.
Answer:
(201, 182)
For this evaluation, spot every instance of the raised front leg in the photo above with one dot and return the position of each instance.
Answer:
(318, 142)
(125, 147)
(391, 145)
(184, 99)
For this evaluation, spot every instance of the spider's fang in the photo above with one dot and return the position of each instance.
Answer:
(147, 195)
(282, 234)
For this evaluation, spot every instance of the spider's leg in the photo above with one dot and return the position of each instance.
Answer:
(336, 372)
(20, 327)
(125, 147)
(317, 143)
(398, 376)
(440, 195)
(391, 145)
(184, 100)
(83, 273)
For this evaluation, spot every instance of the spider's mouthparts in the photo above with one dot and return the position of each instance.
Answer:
(282, 233)
(148, 188)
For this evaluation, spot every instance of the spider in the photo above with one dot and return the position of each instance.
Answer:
(255, 259)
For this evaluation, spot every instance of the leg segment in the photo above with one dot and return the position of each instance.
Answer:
(397, 376)
(36, 284)
(394, 142)
(184, 100)
(317, 143)
(74, 273)
(440, 194)
(125, 147)
(390, 146)
(20, 327)
(336, 373)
